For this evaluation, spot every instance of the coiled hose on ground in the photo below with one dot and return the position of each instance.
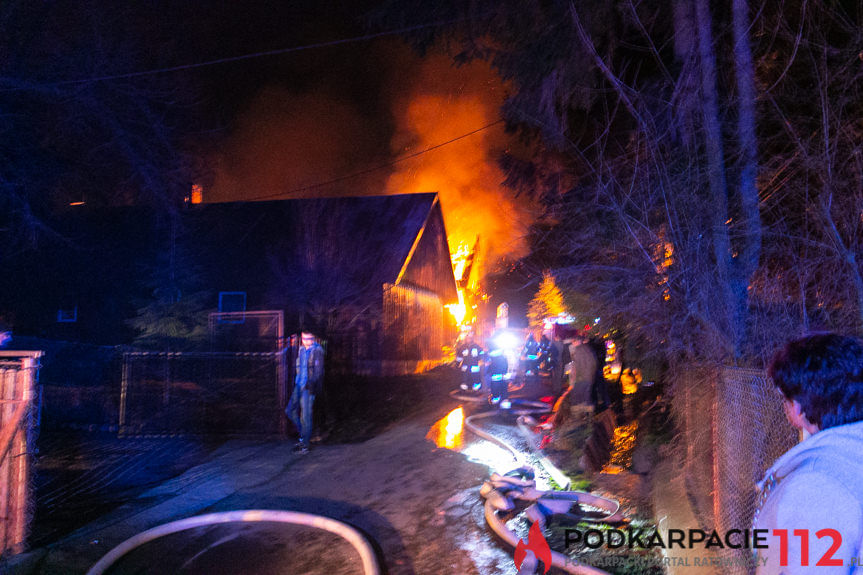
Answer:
(363, 547)
(497, 524)
(521, 407)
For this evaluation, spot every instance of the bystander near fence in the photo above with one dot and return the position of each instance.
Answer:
(732, 428)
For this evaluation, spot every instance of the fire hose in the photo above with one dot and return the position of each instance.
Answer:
(500, 491)
(523, 408)
(526, 408)
(363, 547)
(557, 559)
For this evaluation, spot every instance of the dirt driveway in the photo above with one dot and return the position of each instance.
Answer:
(417, 502)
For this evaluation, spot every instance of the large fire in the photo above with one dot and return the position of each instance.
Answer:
(463, 262)
(289, 145)
(443, 103)
(485, 222)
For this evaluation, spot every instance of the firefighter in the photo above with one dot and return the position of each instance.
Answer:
(530, 356)
(469, 356)
(497, 376)
(546, 361)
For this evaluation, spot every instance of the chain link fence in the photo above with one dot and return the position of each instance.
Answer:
(171, 393)
(693, 408)
(733, 427)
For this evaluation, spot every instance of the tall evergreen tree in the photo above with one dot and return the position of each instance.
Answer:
(547, 302)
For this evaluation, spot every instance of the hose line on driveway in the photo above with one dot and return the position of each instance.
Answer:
(354, 537)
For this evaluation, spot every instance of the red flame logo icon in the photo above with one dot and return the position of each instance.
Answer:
(535, 542)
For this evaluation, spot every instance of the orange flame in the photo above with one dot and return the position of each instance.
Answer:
(445, 103)
(535, 542)
(314, 144)
(458, 310)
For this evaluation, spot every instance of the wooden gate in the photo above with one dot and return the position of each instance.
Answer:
(18, 371)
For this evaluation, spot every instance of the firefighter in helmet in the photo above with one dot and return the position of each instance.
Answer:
(530, 356)
(498, 376)
(469, 356)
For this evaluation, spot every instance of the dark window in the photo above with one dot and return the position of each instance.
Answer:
(67, 315)
(233, 302)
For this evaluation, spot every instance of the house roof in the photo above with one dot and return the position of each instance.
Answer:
(359, 242)
(371, 235)
(290, 253)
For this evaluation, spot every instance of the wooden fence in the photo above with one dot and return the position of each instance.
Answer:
(18, 375)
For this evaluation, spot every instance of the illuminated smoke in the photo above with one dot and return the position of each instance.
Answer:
(285, 145)
(442, 102)
(285, 142)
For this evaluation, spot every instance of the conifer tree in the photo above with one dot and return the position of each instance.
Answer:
(547, 302)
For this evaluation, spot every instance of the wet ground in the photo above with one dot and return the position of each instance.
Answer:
(80, 476)
(412, 489)
(418, 503)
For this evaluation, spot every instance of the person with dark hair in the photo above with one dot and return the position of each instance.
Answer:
(815, 490)
(307, 384)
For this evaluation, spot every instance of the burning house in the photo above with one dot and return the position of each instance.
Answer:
(372, 275)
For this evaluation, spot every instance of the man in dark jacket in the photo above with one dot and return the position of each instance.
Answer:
(307, 384)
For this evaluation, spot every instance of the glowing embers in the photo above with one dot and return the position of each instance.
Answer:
(630, 379)
(448, 432)
(622, 448)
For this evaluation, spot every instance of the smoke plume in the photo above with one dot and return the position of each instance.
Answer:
(324, 141)
(287, 145)
(440, 103)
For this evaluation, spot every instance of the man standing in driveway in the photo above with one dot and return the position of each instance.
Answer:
(307, 384)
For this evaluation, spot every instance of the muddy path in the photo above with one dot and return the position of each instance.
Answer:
(416, 501)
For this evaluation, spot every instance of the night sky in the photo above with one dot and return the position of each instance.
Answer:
(335, 117)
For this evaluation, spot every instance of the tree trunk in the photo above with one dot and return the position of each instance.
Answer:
(750, 249)
(717, 205)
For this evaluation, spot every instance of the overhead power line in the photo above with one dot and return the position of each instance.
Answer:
(372, 169)
(25, 85)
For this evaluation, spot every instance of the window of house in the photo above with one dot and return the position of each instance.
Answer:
(67, 315)
(232, 302)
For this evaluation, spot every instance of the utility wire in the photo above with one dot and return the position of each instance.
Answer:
(94, 79)
(372, 169)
